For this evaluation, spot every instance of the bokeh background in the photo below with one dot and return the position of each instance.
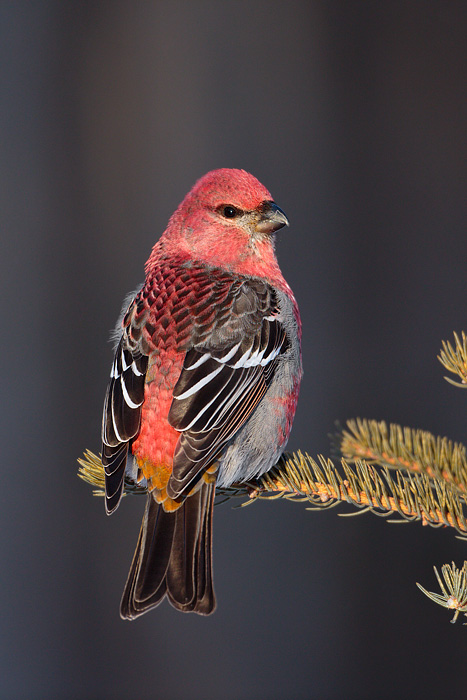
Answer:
(354, 115)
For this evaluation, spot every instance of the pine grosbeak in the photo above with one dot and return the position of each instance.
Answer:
(204, 384)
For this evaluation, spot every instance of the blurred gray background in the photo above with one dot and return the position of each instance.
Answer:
(353, 114)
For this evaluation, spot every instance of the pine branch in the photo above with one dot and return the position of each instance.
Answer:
(430, 482)
(454, 593)
(455, 359)
(299, 477)
(405, 448)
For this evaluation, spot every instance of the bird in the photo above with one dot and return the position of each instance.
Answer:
(204, 383)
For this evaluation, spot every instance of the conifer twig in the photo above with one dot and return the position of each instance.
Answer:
(454, 359)
(396, 447)
(299, 477)
(454, 593)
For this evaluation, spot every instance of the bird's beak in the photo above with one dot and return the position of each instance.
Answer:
(271, 219)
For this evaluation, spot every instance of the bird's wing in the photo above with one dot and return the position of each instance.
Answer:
(122, 406)
(223, 380)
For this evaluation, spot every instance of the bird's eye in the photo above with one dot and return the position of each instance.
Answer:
(230, 212)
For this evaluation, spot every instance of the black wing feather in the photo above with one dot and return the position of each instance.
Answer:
(216, 393)
(122, 416)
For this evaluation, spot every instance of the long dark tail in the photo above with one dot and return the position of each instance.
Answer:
(173, 558)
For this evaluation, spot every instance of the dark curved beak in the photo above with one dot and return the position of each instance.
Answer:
(272, 218)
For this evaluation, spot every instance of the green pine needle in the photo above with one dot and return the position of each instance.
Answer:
(407, 449)
(454, 593)
(454, 359)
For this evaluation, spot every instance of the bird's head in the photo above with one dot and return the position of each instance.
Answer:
(228, 219)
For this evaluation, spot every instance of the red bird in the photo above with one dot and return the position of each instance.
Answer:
(204, 384)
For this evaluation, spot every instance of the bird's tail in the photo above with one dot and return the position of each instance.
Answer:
(173, 558)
